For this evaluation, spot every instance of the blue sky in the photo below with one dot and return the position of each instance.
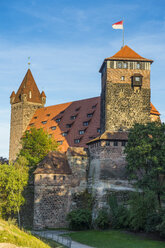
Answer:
(67, 41)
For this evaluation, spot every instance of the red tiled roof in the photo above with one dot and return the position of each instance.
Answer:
(28, 84)
(127, 53)
(154, 111)
(69, 125)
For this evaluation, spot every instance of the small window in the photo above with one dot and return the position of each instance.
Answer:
(123, 143)
(68, 125)
(138, 65)
(44, 122)
(115, 143)
(85, 123)
(119, 65)
(73, 117)
(94, 106)
(60, 142)
(64, 134)
(107, 143)
(35, 117)
(98, 130)
(63, 178)
(58, 120)
(81, 131)
(76, 141)
(30, 94)
(90, 115)
(55, 177)
(122, 78)
(31, 124)
(137, 79)
(125, 65)
(48, 115)
(53, 127)
(77, 109)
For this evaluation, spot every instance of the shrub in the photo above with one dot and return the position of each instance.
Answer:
(153, 220)
(102, 220)
(80, 219)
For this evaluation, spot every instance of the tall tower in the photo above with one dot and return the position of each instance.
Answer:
(125, 94)
(23, 105)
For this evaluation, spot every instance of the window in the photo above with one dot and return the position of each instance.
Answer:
(60, 142)
(138, 65)
(107, 143)
(48, 115)
(90, 115)
(119, 65)
(77, 109)
(68, 125)
(30, 94)
(73, 117)
(55, 177)
(81, 131)
(53, 127)
(122, 78)
(85, 123)
(94, 106)
(125, 65)
(123, 143)
(63, 178)
(58, 120)
(137, 79)
(98, 130)
(115, 143)
(31, 124)
(44, 122)
(76, 141)
(64, 134)
(35, 117)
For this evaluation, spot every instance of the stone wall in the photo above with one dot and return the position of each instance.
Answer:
(21, 114)
(54, 193)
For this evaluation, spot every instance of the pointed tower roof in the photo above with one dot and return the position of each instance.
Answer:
(126, 53)
(28, 87)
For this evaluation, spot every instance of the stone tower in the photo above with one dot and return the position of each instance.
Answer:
(125, 94)
(23, 105)
(125, 100)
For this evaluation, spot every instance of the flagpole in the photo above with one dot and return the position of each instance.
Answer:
(123, 32)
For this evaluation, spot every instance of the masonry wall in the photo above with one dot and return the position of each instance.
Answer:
(54, 198)
(21, 114)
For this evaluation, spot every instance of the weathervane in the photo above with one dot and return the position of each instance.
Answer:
(29, 62)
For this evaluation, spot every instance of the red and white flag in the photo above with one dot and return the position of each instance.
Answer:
(118, 25)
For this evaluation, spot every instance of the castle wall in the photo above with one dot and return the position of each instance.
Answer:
(54, 195)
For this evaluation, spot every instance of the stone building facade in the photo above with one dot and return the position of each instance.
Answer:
(91, 133)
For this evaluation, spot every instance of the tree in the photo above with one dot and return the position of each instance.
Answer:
(36, 144)
(145, 154)
(13, 179)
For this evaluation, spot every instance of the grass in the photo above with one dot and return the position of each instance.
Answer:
(114, 239)
(10, 233)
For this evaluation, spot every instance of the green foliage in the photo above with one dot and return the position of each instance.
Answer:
(13, 179)
(84, 200)
(119, 214)
(36, 144)
(153, 221)
(145, 154)
(161, 227)
(102, 220)
(142, 205)
(80, 219)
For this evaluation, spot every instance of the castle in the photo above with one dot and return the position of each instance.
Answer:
(91, 133)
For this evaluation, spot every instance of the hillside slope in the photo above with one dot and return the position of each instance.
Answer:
(12, 237)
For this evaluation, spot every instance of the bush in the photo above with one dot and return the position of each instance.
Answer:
(153, 220)
(102, 220)
(80, 219)
(119, 214)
